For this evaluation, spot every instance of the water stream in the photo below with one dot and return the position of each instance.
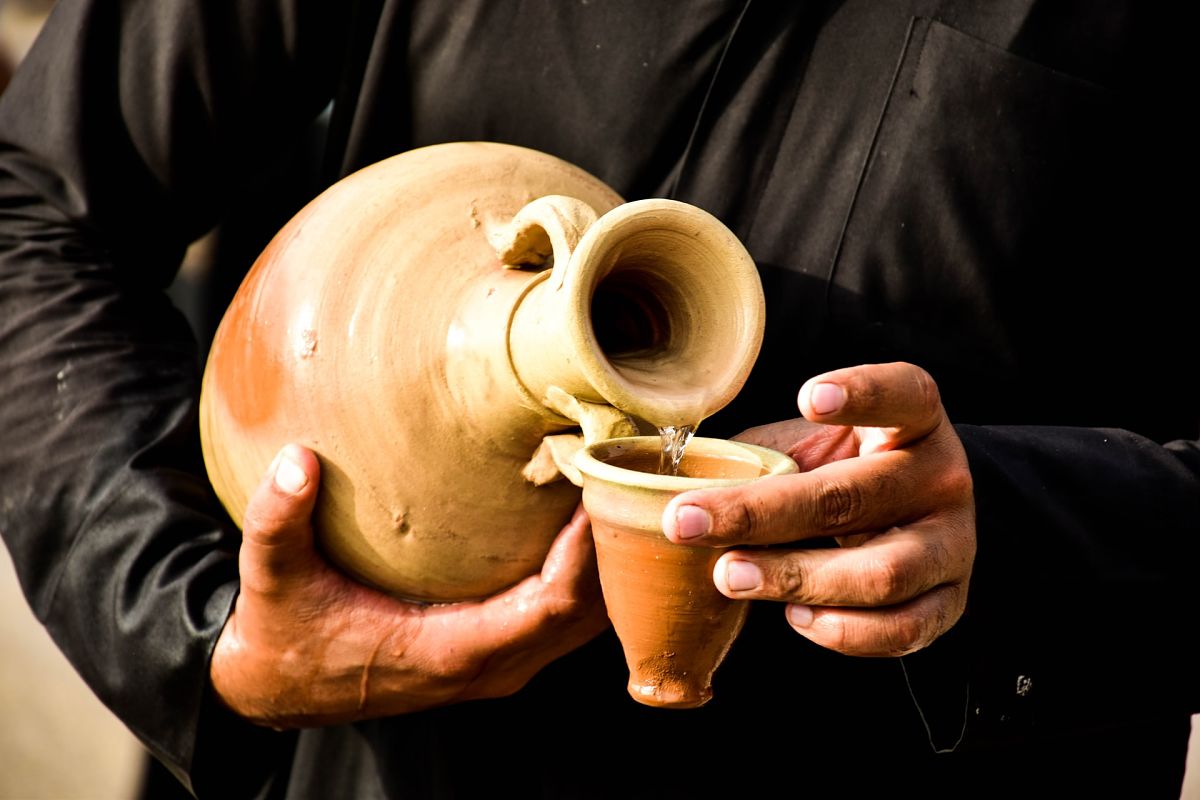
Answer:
(675, 439)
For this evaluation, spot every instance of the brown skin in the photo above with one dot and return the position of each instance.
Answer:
(306, 645)
(885, 473)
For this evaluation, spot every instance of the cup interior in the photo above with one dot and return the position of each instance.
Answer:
(708, 462)
(693, 465)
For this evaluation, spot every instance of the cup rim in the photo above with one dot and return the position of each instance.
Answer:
(773, 461)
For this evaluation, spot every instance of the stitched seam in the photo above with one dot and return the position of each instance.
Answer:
(862, 175)
(712, 82)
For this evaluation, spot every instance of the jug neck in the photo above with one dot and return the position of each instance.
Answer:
(655, 308)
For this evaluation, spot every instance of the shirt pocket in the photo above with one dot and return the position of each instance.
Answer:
(980, 176)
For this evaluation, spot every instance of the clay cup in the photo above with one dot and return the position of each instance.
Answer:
(673, 624)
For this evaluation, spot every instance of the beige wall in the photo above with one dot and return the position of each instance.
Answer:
(56, 739)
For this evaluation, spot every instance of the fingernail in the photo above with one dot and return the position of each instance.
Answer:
(691, 522)
(800, 616)
(741, 576)
(826, 398)
(289, 477)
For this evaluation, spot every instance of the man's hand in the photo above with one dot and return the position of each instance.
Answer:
(307, 645)
(883, 471)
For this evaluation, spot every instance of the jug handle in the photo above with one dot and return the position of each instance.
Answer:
(549, 226)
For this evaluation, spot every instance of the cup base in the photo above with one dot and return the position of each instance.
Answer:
(669, 694)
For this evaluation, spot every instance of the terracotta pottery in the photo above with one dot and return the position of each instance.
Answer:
(427, 322)
(674, 626)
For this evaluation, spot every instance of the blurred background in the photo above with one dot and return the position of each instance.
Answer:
(56, 739)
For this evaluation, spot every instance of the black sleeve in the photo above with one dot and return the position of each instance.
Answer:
(1082, 606)
(1088, 541)
(124, 132)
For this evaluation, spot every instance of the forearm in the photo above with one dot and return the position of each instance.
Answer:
(1103, 505)
(118, 141)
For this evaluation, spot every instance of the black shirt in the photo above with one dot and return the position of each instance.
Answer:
(981, 189)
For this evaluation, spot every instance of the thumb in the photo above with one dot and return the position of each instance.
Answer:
(571, 559)
(277, 537)
(900, 400)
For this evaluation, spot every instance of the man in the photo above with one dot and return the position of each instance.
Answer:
(962, 188)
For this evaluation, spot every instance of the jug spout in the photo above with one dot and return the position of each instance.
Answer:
(657, 310)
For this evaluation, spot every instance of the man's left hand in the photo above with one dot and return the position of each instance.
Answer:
(881, 469)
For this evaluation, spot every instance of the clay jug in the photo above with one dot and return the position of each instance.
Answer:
(434, 326)
(674, 626)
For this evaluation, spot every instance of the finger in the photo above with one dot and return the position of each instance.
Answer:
(276, 528)
(566, 594)
(779, 435)
(894, 631)
(810, 445)
(572, 556)
(849, 496)
(899, 397)
(510, 637)
(887, 570)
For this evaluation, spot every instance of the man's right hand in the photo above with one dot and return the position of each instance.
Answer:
(306, 645)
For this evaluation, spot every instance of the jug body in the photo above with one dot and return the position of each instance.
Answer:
(409, 325)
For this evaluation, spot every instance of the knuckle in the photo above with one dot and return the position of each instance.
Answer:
(958, 481)
(265, 513)
(835, 634)
(888, 582)
(936, 554)
(908, 633)
(966, 553)
(951, 553)
(258, 518)
(951, 475)
(741, 519)
(786, 579)
(838, 503)
(952, 607)
(949, 482)
(565, 608)
(918, 627)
